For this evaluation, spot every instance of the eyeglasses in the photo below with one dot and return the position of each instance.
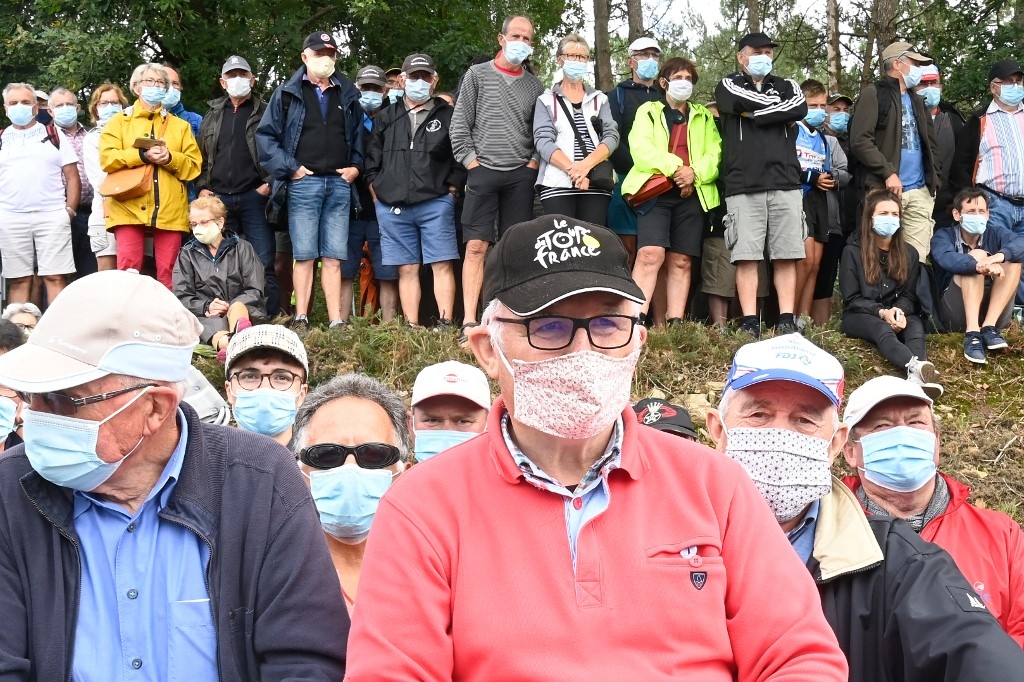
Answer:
(24, 327)
(555, 332)
(576, 57)
(153, 82)
(368, 455)
(66, 405)
(251, 379)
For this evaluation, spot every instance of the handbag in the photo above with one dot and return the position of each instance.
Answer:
(600, 176)
(655, 186)
(130, 183)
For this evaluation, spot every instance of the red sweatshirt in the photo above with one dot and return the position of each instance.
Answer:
(988, 548)
(468, 576)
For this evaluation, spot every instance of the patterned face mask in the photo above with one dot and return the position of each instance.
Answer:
(790, 470)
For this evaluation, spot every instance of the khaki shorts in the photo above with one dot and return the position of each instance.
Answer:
(718, 274)
(36, 241)
(774, 218)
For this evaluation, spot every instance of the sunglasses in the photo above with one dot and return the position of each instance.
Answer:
(368, 455)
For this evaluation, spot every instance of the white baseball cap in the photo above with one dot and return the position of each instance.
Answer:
(877, 390)
(274, 336)
(641, 44)
(452, 378)
(790, 358)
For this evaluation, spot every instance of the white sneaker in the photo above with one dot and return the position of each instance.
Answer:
(924, 374)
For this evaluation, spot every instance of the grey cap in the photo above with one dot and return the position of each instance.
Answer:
(235, 62)
(371, 74)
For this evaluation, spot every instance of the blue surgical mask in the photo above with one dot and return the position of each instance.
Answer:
(912, 78)
(516, 51)
(20, 114)
(347, 498)
(417, 90)
(65, 116)
(1011, 93)
(172, 97)
(647, 69)
(759, 65)
(8, 409)
(839, 121)
(931, 95)
(885, 225)
(264, 410)
(901, 458)
(106, 112)
(815, 117)
(395, 94)
(152, 94)
(371, 101)
(575, 71)
(63, 449)
(430, 442)
(973, 223)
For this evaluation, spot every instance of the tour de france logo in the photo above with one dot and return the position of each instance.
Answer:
(564, 243)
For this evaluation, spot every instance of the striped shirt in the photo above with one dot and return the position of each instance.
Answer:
(493, 119)
(1001, 152)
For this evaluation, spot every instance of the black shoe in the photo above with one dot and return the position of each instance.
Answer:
(443, 325)
(673, 321)
(751, 325)
(786, 325)
(463, 338)
(992, 338)
(299, 324)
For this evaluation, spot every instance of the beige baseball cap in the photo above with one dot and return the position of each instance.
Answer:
(452, 378)
(878, 390)
(111, 322)
(273, 336)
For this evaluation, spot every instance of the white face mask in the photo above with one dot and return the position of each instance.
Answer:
(680, 90)
(321, 67)
(240, 86)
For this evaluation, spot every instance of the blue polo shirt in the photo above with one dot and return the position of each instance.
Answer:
(802, 537)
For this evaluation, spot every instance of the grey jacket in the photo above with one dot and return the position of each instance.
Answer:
(553, 131)
(235, 274)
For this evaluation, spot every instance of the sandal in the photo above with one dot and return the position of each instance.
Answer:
(462, 331)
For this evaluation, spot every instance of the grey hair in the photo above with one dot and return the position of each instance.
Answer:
(19, 86)
(508, 20)
(179, 387)
(726, 400)
(142, 69)
(64, 91)
(353, 385)
(888, 64)
(15, 308)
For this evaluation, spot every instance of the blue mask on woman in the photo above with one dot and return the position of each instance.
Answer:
(430, 442)
(152, 94)
(575, 71)
(931, 95)
(647, 69)
(901, 458)
(106, 112)
(839, 121)
(885, 225)
(815, 117)
(347, 498)
(264, 410)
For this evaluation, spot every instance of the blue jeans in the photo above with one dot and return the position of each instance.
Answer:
(1009, 215)
(318, 214)
(368, 231)
(247, 217)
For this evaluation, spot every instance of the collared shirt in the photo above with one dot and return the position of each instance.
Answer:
(145, 607)
(1001, 151)
(77, 139)
(322, 94)
(591, 495)
(802, 537)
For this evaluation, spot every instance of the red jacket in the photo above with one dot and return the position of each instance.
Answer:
(988, 548)
(468, 576)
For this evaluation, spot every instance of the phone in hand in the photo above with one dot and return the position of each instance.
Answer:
(147, 142)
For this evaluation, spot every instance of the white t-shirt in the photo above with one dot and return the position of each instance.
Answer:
(31, 169)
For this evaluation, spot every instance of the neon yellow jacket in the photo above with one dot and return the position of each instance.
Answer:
(648, 143)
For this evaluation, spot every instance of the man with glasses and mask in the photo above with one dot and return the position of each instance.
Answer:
(266, 369)
(137, 540)
(586, 544)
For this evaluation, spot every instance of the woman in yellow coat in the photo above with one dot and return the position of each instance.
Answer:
(161, 212)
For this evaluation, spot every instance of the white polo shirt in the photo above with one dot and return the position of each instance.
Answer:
(31, 177)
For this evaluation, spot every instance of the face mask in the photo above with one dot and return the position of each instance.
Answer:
(680, 91)
(20, 114)
(152, 95)
(63, 449)
(66, 117)
(264, 410)
(107, 111)
(430, 442)
(321, 67)
(790, 469)
(9, 408)
(912, 78)
(575, 71)
(207, 233)
(172, 97)
(839, 121)
(417, 91)
(974, 224)
(239, 86)
(815, 117)
(395, 94)
(647, 69)
(347, 498)
(1011, 93)
(901, 458)
(371, 101)
(885, 225)
(516, 51)
(759, 65)
(931, 95)
(573, 396)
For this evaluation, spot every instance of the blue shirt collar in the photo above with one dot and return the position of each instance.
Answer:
(802, 537)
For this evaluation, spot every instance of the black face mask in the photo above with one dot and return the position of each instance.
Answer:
(44, 117)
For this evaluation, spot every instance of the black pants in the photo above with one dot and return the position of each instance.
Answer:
(81, 245)
(507, 195)
(897, 348)
(590, 208)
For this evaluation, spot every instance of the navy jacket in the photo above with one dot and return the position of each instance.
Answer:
(949, 261)
(277, 605)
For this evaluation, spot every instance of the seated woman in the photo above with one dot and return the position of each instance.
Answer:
(218, 276)
(676, 138)
(878, 279)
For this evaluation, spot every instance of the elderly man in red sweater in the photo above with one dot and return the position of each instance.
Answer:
(568, 541)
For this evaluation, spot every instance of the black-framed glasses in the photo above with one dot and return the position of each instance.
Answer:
(368, 455)
(555, 332)
(154, 82)
(251, 379)
(66, 405)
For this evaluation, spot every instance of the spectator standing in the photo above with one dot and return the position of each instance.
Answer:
(948, 122)
(107, 101)
(39, 191)
(173, 104)
(393, 79)
(231, 169)
(492, 137)
(65, 109)
(450, 401)
(311, 142)
(414, 177)
(761, 177)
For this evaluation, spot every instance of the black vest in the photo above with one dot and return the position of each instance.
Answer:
(322, 144)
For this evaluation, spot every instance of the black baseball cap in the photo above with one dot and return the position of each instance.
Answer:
(371, 74)
(665, 416)
(832, 99)
(418, 62)
(1004, 68)
(757, 40)
(318, 40)
(548, 259)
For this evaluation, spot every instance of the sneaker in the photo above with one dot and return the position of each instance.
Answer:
(786, 325)
(300, 323)
(443, 325)
(992, 338)
(751, 325)
(974, 348)
(338, 323)
(924, 374)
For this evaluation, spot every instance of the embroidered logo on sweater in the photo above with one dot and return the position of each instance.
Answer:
(699, 579)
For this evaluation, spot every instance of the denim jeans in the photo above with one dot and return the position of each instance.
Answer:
(247, 217)
(1011, 216)
(318, 215)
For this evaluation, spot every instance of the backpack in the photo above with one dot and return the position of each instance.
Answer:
(51, 136)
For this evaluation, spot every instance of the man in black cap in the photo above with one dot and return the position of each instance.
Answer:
(666, 417)
(761, 177)
(994, 161)
(311, 142)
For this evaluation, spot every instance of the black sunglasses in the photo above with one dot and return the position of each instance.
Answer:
(368, 455)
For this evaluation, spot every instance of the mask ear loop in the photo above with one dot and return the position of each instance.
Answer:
(119, 411)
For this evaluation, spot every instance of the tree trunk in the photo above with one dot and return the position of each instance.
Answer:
(635, 18)
(603, 77)
(867, 72)
(886, 12)
(753, 16)
(1018, 21)
(835, 66)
